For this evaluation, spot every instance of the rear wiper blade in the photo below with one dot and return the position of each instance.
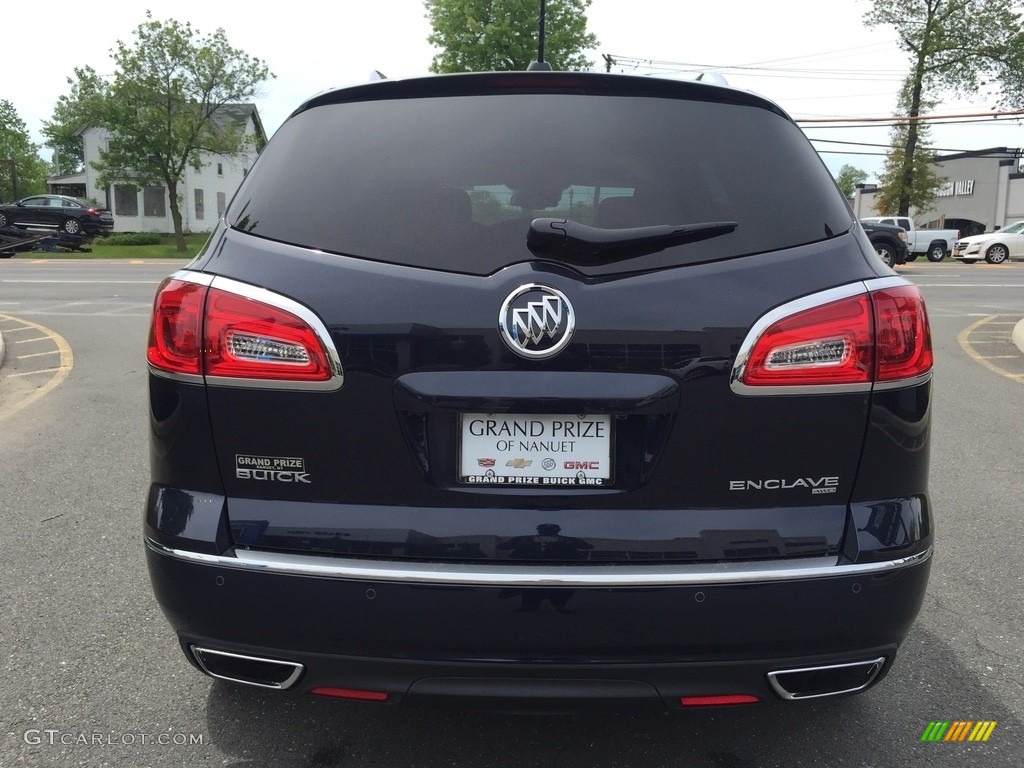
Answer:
(572, 241)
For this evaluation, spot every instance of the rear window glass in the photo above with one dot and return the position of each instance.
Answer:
(453, 183)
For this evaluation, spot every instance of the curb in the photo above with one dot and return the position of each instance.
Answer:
(2, 349)
(1017, 336)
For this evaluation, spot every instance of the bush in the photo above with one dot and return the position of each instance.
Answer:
(130, 238)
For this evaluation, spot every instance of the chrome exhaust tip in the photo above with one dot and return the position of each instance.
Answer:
(248, 670)
(827, 680)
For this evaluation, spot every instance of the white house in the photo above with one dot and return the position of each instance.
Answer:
(204, 192)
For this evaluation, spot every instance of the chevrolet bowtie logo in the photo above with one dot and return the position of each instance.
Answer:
(518, 463)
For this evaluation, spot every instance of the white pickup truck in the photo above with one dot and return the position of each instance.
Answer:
(936, 244)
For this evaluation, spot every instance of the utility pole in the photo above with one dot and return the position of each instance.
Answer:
(608, 61)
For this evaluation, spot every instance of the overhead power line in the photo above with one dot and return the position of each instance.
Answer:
(897, 119)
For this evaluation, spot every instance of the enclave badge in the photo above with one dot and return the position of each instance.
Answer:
(536, 321)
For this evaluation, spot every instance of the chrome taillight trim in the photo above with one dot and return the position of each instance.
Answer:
(913, 381)
(187, 378)
(197, 278)
(304, 313)
(803, 304)
(474, 574)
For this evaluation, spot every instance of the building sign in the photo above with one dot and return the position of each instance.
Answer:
(961, 188)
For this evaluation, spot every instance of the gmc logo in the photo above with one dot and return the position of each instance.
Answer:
(582, 465)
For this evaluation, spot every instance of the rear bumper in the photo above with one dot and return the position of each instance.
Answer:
(515, 636)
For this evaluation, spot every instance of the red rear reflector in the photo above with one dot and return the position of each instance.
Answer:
(351, 694)
(174, 333)
(249, 339)
(718, 701)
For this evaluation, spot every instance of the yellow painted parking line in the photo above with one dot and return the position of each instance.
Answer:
(967, 345)
(56, 375)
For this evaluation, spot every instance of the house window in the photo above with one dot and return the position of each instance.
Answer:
(200, 204)
(154, 201)
(220, 169)
(222, 203)
(126, 200)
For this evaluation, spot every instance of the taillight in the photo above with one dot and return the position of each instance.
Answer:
(246, 338)
(176, 327)
(904, 343)
(239, 334)
(857, 340)
(831, 344)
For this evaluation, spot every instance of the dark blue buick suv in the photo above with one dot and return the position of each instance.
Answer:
(540, 389)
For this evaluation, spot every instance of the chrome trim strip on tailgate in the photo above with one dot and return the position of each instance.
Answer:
(473, 574)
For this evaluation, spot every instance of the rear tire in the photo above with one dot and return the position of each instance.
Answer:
(72, 226)
(4, 221)
(997, 253)
(969, 261)
(936, 252)
(911, 256)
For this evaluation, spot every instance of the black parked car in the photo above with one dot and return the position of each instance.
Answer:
(890, 242)
(424, 426)
(67, 215)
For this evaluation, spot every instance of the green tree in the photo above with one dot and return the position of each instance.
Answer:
(70, 115)
(920, 188)
(167, 104)
(19, 156)
(848, 179)
(495, 35)
(953, 45)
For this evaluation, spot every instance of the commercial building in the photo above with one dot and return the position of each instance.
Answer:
(983, 191)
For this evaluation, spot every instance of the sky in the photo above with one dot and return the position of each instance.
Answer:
(815, 58)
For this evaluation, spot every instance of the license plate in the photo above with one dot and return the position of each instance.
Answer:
(535, 449)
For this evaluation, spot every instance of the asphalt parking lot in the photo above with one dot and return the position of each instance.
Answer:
(92, 676)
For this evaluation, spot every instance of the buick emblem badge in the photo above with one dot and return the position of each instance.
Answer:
(536, 321)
